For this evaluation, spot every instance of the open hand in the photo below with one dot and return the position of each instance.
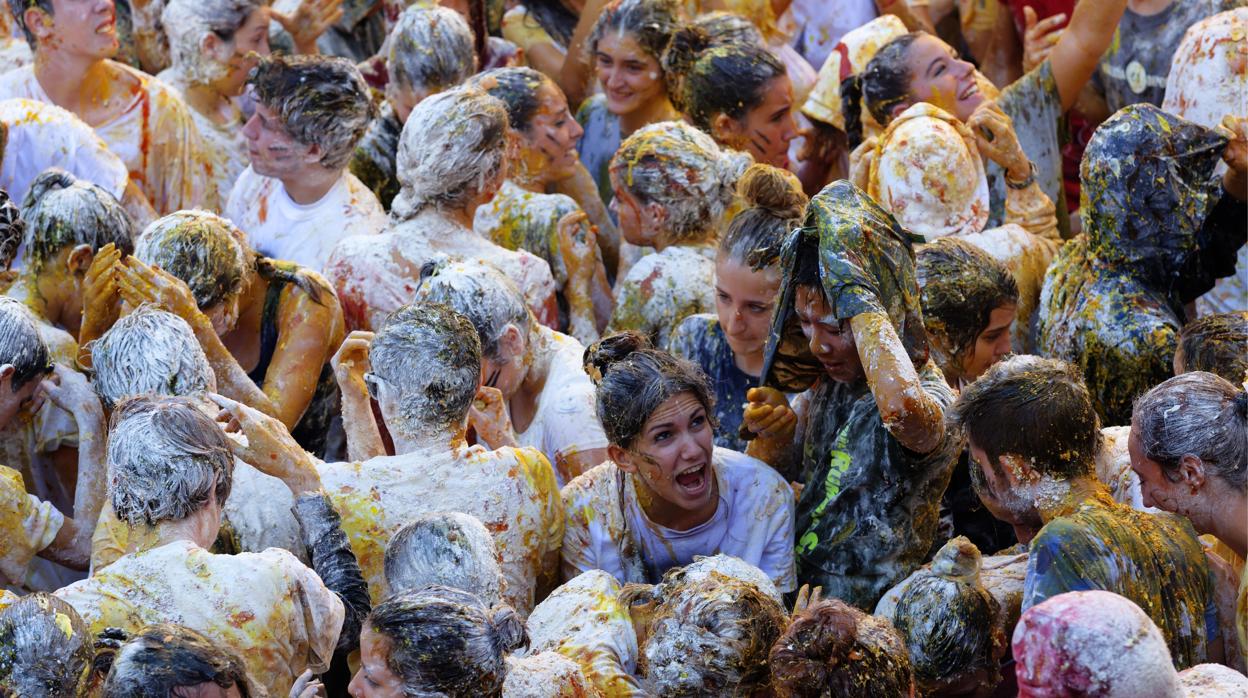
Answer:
(491, 419)
(71, 391)
(309, 21)
(270, 448)
(1040, 37)
(351, 362)
(138, 284)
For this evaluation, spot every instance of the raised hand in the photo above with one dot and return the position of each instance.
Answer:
(768, 414)
(309, 21)
(578, 245)
(491, 419)
(995, 136)
(139, 284)
(270, 448)
(1040, 37)
(351, 362)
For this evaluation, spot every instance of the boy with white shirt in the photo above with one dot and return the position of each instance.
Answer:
(297, 200)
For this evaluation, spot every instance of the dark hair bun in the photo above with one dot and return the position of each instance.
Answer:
(1241, 404)
(686, 46)
(777, 191)
(509, 629)
(608, 351)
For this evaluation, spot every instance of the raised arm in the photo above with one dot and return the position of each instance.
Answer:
(309, 330)
(70, 391)
(911, 415)
(1076, 55)
(350, 364)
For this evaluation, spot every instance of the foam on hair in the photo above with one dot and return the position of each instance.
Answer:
(200, 248)
(481, 293)
(62, 211)
(447, 549)
(150, 351)
(45, 647)
(188, 22)
(21, 344)
(431, 49)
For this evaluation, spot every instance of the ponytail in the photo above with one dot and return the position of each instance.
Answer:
(851, 109)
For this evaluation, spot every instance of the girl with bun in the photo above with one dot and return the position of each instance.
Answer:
(667, 494)
(673, 188)
(729, 345)
(436, 641)
(739, 93)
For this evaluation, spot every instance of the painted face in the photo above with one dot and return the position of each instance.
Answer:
(992, 345)
(744, 299)
(998, 493)
(374, 679)
(939, 77)
(672, 455)
(84, 27)
(273, 152)
(548, 146)
(831, 341)
(633, 220)
(768, 128)
(505, 371)
(630, 77)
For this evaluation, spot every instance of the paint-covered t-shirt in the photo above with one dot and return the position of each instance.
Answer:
(154, 136)
(42, 135)
(1035, 106)
(511, 490)
(868, 513)
(565, 422)
(664, 288)
(519, 219)
(27, 525)
(225, 147)
(700, 339)
(599, 142)
(608, 530)
(280, 228)
(268, 608)
(1135, 67)
(1154, 560)
(585, 621)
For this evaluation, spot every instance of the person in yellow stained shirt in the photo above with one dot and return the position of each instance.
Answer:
(141, 119)
(423, 369)
(171, 468)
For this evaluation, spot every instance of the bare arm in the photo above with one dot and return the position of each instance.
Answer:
(582, 188)
(308, 334)
(911, 415)
(579, 249)
(575, 72)
(70, 391)
(915, 18)
(1077, 54)
(139, 283)
(137, 205)
(350, 364)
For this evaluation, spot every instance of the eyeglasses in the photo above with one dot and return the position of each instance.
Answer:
(373, 382)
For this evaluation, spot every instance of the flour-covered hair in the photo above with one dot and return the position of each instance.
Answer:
(431, 355)
(45, 647)
(431, 49)
(166, 458)
(187, 22)
(1198, 414)
(62, 211)
(21, 344)
(482, 294)
(675, 165)
(200, 248)
(446, 548)
(452, 144)
(321, 100)
(149, 351)
(163, 658)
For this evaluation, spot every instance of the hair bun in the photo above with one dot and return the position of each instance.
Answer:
(509, 629)
(602, 355)
(777, 191)
(1241, 404)
(687, 45)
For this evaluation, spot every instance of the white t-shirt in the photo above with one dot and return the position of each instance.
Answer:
(606, 529)
(27, 525)
(305, 234)
(44, 135)
(566, 421)
(824, 23)
(270, 609)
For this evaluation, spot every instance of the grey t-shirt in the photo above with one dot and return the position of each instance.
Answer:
(1034, 105)
(1135, 67)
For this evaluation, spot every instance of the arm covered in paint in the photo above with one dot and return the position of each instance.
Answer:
(1077, 53)
(72, 393)
(334, 561)
(350, 364)
(912, 416)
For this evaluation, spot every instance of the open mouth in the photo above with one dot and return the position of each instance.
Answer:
(109, 27)
(694, 481)
(618, 96)
(968, 91)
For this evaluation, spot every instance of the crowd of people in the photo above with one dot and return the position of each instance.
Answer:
(576, 348)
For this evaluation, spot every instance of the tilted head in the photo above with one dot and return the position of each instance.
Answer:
(167, 460)
(627, 43)
(431, 50)
(213, 41)
(63, 212)
(538, 113)
(86, 30)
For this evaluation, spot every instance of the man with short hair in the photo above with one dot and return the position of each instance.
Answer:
(143, 122)
(297, 200)
(171, 469)
(1033, 437)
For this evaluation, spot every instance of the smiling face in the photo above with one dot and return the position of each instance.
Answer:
(83, 27)
(766, 130)
(631, 79)
(744, 299)
(939, 77)
(831, 340)
(672, 457)
(241, 52)
(374, 679)
(635, 219)
(273, 152)
(548, 145)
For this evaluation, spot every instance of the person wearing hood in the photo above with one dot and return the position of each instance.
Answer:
(875, 453)
(1159, 229)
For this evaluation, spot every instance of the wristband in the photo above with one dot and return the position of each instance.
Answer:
(1029, 180)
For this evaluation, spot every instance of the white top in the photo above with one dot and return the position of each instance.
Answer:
(824, 23)
(154, 136)
(754, 522)
(43, 135)
(305, 234)
(270, 609)
(566, 421)
(27, 525)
